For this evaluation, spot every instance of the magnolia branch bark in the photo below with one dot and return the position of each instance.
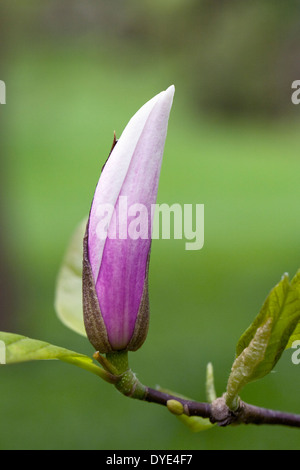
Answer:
(218, 412)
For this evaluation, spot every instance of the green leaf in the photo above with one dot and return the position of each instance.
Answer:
(196, 423)
(210, 383)
(283, 307)
(263, 343)
(22, 349)
(245, 366)
(294, 337)
(68, 294)
(296, 333)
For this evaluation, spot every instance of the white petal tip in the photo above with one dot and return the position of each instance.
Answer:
(170, 90)
(167, 95)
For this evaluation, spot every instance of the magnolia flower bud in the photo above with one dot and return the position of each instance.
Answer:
(117, 244)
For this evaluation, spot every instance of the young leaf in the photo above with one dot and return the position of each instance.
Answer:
(283, 307)
(194, 423)
(22, 349)
(210, 383)
(261, 346)
(68, 294)
(244, 369)
(296, 333)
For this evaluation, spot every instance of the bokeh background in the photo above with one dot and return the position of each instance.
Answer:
(76, 71)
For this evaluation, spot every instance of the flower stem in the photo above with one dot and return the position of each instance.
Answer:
(126, 380)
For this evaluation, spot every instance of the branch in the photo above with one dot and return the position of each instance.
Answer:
(218, 412)
(190, 407)
(250, 414)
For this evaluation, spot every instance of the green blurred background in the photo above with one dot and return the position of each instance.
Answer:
(76, 71)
